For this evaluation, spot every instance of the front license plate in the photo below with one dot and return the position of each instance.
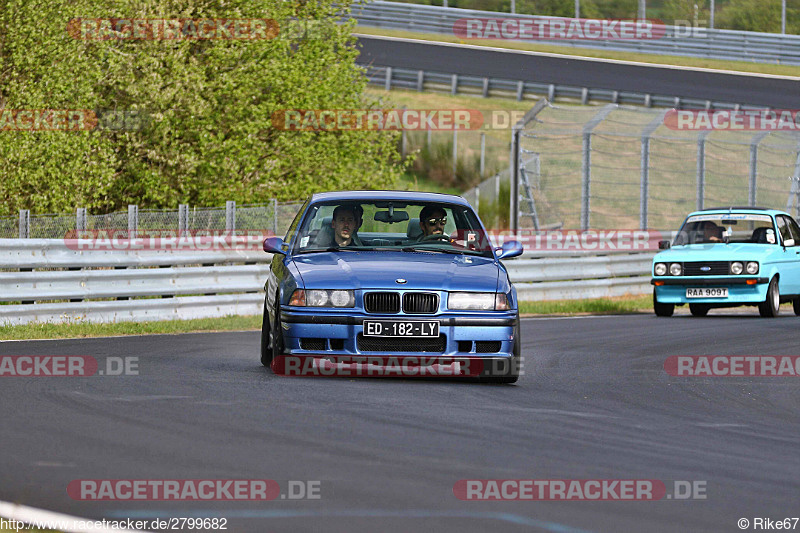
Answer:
(401, 328)
(707, 292)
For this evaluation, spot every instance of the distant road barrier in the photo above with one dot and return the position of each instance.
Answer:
(44, 280)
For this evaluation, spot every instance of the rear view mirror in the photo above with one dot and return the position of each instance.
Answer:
(391, 216)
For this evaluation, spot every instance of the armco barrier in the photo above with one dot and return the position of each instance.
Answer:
(682, 41)
(44, 280)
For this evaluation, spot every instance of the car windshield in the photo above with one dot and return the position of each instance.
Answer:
(382, 225)
(727, 227)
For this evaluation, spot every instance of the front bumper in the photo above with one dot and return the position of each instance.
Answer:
(673, 289)
(335, 333)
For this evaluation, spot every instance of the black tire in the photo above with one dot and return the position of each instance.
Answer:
(699, 309)
(662, 309)
(796, 306)
(277, 331)
(266, 349)
(771, 305)
(510, 373)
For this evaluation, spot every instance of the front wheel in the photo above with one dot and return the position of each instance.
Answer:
(796, 306)
(266, 349)
(771, 306)
(662, 309)
(699, 309)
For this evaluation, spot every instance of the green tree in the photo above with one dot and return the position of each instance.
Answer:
(210, 103)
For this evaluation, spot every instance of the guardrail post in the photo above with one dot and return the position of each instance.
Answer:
(388, 84)
(230, 215)
(420, 79)
(486, 87)
(454, 84)
(133, 220)
(183, 218)
(80, 219)
(701, 168)
(520, 90)
(24, 224)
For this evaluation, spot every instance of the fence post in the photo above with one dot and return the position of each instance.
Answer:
(513, 215)
(275, 216)
(183, 218)
(388, 82)
(483, 153)
(24, 224)
(701, 169)
(133, 220)
(751, 191)
(230, 215)
(455, 152)
(644, 186)
(80, 220)
(586, 162)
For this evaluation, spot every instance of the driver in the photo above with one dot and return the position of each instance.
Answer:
(345, 223)
(432, 220)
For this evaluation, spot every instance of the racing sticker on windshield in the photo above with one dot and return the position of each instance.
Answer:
(304, 241)
(730, 216)
(771, 236)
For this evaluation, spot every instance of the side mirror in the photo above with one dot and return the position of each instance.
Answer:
(509, 249)
(788, 242)
(664, 245)
(273, 245)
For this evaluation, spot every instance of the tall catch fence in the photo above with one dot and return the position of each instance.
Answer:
(591, 167)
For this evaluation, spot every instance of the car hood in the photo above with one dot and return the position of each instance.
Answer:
(717, 252)
(381, 269)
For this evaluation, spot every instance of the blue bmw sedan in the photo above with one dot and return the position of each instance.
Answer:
(365, 279)
(730, 257)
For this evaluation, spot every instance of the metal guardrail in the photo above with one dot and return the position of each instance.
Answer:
(426, 80)
(682, 41)
(115, 286)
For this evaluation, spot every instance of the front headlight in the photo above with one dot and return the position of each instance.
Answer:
(752, 267)
(322, 298)
(736, 268)
(660, 269)
(486, 301)
(675, 269)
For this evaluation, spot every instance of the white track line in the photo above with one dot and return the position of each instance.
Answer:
(583, 58)
(51, 520)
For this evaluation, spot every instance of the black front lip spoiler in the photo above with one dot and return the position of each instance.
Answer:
(291, 318)
(688, 280)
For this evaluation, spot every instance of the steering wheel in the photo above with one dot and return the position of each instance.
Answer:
(436, 237)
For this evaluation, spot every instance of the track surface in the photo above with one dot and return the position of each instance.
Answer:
(546, 68)
(594, 403)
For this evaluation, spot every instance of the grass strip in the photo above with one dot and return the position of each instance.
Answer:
(85, 329)
(598, 306)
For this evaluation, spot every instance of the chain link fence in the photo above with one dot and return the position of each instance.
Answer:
(272, 217)
(591, 167)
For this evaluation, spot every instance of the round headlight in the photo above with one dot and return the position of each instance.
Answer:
(660, 269)
(316, 298)
(340, 298)
(675, 269)
(752, 267)
(737, 267)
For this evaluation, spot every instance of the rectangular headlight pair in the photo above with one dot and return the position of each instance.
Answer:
(484, 301)
(322, 298)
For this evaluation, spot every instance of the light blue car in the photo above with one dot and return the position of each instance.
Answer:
(729, 257)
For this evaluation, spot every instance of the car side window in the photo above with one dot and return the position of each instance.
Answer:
(293, 227)
(783, 228)
(794, 229)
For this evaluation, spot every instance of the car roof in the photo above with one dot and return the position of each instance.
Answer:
(739, 210)
(406, 196)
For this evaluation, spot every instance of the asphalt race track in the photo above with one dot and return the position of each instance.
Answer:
(776, 92)
(594, 403)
